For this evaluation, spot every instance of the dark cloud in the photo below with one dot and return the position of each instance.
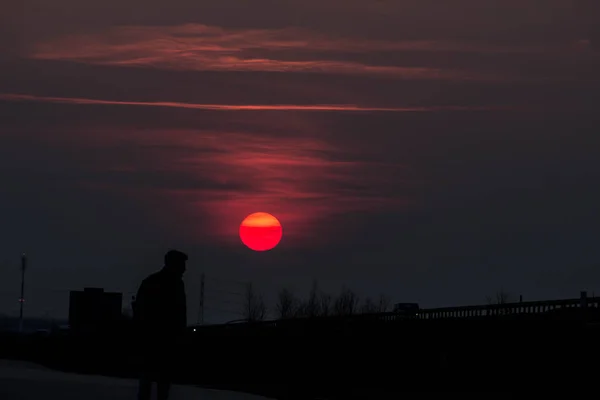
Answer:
(487, 20)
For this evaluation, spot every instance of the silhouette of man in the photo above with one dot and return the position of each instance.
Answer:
(160, 316)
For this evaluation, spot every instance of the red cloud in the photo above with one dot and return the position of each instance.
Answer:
(202, 48)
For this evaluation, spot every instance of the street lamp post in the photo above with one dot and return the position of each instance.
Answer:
(22, 298)
(201, 309)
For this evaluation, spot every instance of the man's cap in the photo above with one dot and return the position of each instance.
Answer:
(175, 255)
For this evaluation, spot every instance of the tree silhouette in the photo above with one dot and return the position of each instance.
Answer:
(313, 304)
(501, 297)
(325, 304)
(346, 303)
(318, 303)
(370, 307)
(321, 304)
(287, 304)
(384, 303)
(254, 305)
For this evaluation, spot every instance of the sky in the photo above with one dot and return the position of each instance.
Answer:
(437, 152)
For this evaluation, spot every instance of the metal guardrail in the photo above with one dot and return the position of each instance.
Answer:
(520, 308)
(530, 307)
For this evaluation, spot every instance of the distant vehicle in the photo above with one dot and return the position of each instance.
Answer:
(410, 310)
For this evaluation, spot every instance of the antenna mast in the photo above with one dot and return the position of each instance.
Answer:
(201, 310)
(22, 298)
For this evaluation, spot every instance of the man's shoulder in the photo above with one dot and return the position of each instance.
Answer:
(152, 279)
(160, 279)
(153, 276)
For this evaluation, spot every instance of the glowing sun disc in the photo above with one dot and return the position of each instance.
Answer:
(260, 231)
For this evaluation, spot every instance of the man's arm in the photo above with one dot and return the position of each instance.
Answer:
(139, 310)
(182, 307)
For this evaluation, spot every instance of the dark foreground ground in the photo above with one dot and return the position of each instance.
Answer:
(340, 360)
(29, 381)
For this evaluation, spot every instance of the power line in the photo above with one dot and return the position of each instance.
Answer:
(237, 303)
(230, 281)
(227, 292)
(223, 310)
(224, 296)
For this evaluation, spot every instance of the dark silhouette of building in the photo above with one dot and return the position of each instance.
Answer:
(93, 309)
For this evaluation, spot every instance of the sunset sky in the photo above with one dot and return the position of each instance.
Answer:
(436, 151)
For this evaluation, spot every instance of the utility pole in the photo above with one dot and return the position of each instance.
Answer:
(22, 298)
(201, 310)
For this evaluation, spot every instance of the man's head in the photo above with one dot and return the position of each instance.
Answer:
(175, 262)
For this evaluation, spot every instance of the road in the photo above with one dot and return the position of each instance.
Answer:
(28, 381)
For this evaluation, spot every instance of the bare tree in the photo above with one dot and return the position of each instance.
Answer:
(346, 303)
(384, 303)
(369, 306)
(301, 309)
(501, 297)
(254, 306)
(325, 304)
(287, 304)
(313, 304)
(317, 304)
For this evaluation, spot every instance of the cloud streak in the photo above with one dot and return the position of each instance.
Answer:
(238, 107)
(189, 38)
(208, 48)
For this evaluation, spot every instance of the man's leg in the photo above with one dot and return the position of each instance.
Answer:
(145, 387)
(145, 369)
(163, 387)
(164, 365)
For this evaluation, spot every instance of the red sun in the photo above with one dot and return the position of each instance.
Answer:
(260, 231)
